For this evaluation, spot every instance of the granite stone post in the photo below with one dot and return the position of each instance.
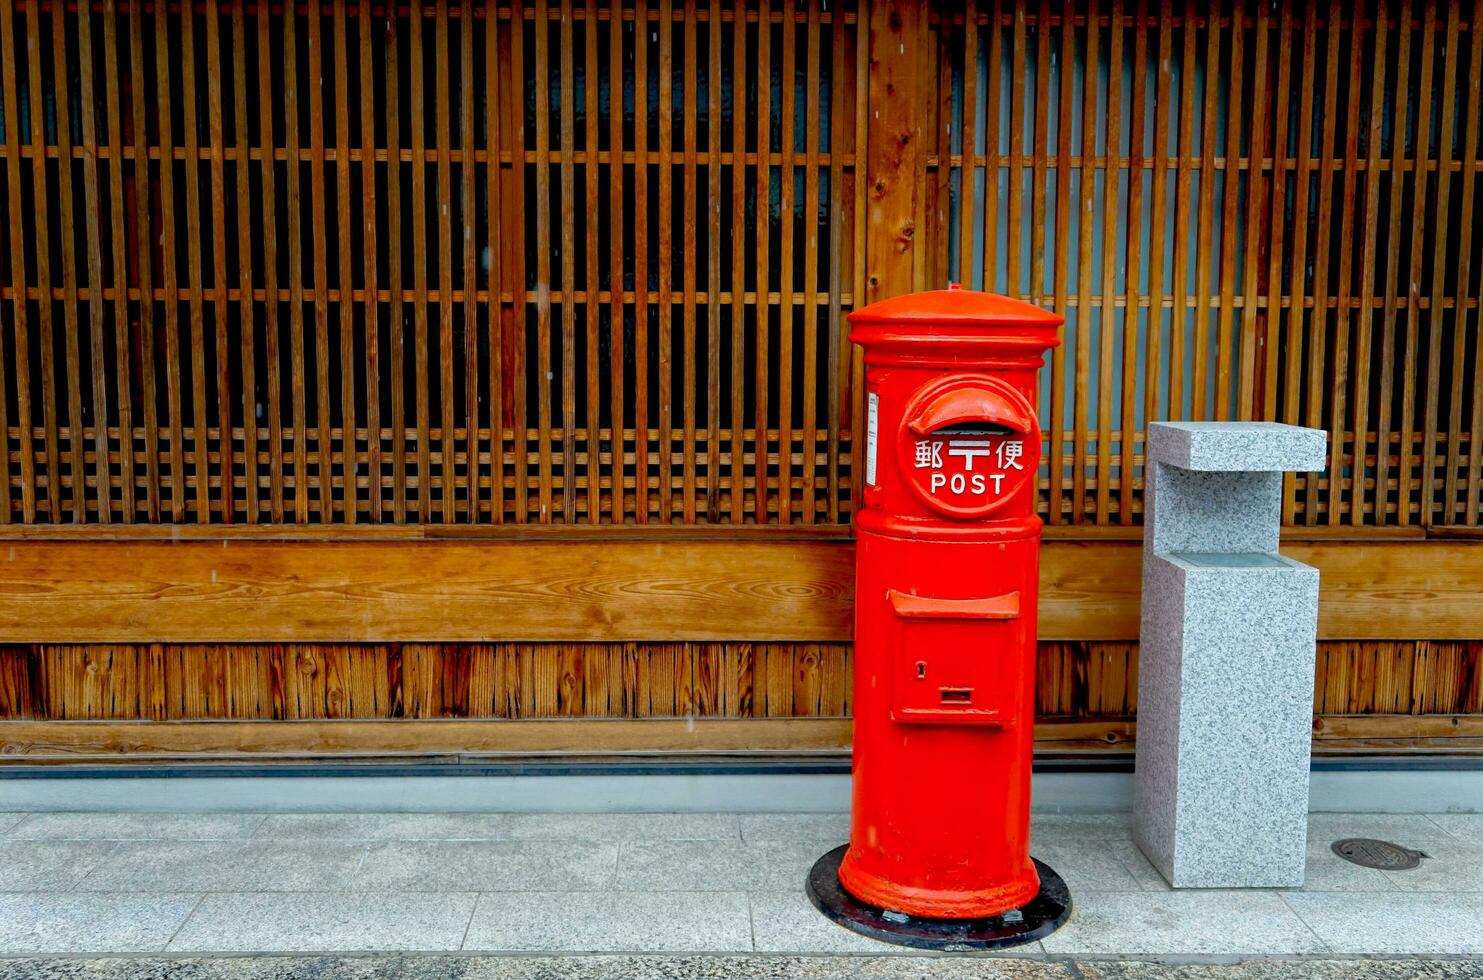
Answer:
(1225, 692)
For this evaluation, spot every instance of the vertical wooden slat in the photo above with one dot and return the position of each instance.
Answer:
(443, 220)
(968, 138)
(992, 160)
(1080, 355)
(762, 328)
(1271, 333)
(370, 250)
(1338, 424)
(1153, 341)
(1318, 322)
(1364, 328)
(812, 123)
(567, 90)
(1421, 166)
(226, 466)
(591, 305)
(62, 105)
(349, 440)
(690, 97)
(469, 210)
(97, 309)
(271, 306)
(120, 262)
(1205, 228)
(1062, 242)
(1227, 353)
(197, 289)
(34, 89)
(640, 262)
(246, 227)
(1180, 315)
(618, 507)
(714, 397)
(19, 307)
(1465, 272)
(666, 260)
(1106, 334)
(421, 361)
(397, 311)
(320, 268)
(1297, 290)
(167, 268)
(737, 471)
(1127, 411)
(787, 310)
(494, 146)
(1436, 321)
(836, 356)
(1016, 203)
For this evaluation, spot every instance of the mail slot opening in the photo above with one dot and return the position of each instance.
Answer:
(975, 429)
(957, 695)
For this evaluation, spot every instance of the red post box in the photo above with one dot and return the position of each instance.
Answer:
(945, 592)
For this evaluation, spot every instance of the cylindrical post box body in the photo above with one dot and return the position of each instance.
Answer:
(946, 582)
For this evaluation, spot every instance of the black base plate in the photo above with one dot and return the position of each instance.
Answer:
(1036, 919)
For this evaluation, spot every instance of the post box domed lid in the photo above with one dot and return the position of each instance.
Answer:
(955, 307)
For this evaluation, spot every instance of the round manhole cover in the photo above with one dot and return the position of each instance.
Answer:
(1382, 854)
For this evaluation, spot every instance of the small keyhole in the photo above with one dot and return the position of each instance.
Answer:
(921, 669)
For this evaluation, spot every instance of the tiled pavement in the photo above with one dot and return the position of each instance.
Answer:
(659, 883)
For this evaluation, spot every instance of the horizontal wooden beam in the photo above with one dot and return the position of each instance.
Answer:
(263, 591)
(77, 741)
(32, 742)
(36, 741)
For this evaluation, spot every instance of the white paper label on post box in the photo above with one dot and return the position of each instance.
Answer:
(872, 424)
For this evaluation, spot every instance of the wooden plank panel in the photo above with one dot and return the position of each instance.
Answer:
(481, 590)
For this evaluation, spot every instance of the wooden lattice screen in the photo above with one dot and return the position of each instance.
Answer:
(589, 262)
(1245, 211)
(298, 266)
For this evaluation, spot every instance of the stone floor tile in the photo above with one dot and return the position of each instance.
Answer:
(1325, 871)
(1138, 865)
(1464, 826)
(787, 922)
(91, 923)
(1194, 923)
(1081, 826)
(1391, 923)
(335, 922)
(1398, 828)
(716, 865)
(796, 826)
(1450, 865)
(218, 866)
(443, 826)
(30, 866)
(622, 826)
(9, 821)
(321, 826)
(417, 866)
(1087, 865)
(137, 826)
(611, 922)
(602, 966)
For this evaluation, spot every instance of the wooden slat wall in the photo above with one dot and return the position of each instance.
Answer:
(1244, 211)
(619, 300)
(162, 682)
(595, 256)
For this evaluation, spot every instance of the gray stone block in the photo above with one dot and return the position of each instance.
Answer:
(1228, 634)
(1245, 447)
